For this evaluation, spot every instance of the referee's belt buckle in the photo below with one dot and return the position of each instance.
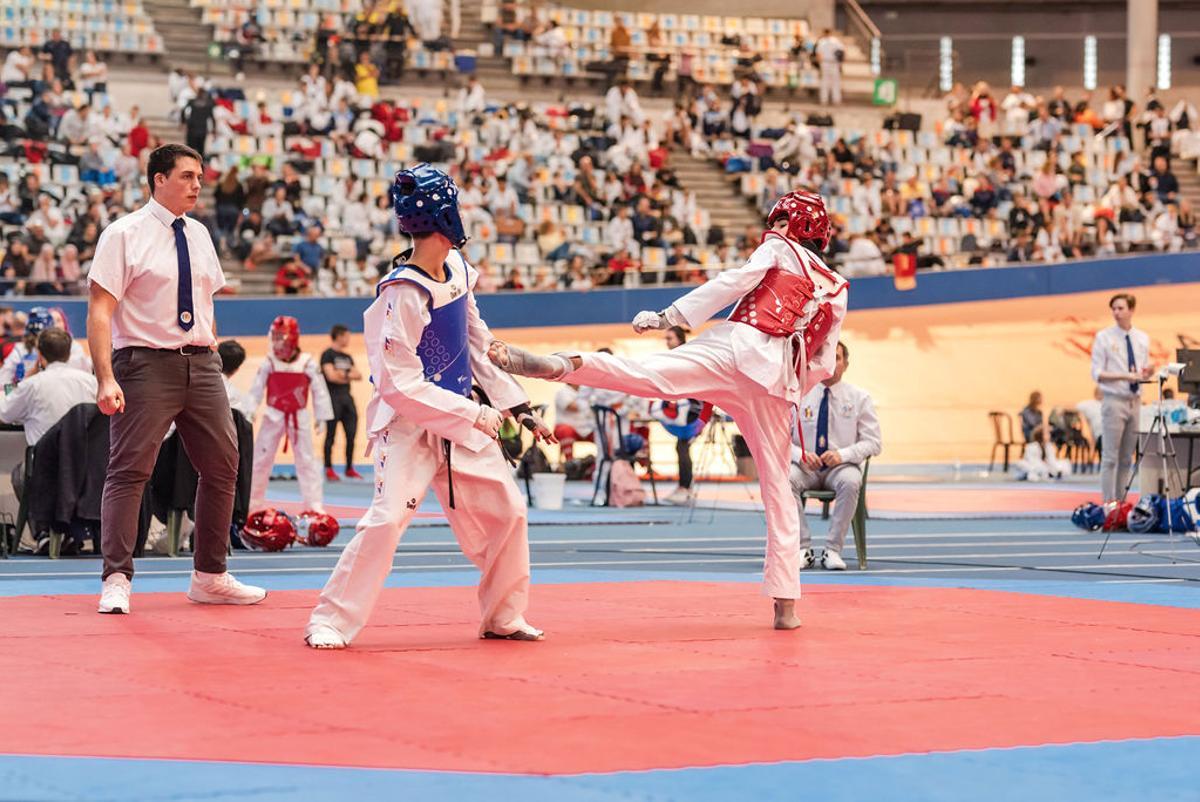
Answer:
(194, 350)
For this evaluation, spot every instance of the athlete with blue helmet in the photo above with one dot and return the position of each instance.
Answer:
(427, 348)
(23, 356)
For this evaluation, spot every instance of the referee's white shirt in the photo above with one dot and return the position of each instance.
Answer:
(1110, 355)
(136, 262)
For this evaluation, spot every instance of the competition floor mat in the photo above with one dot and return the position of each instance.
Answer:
(657, 675)
(981, 658)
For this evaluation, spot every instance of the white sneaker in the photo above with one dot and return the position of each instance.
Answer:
(115, 596)
(832, 561)
(679, 496)
(325, 637)
(807, 559)
(222, 589)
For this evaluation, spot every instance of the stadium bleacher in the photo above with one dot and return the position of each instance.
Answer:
(108, 26)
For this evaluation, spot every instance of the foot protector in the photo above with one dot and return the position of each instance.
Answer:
(520, 362)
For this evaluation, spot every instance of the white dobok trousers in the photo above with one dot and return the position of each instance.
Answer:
(489, 520)
(705, 368)
(308, 466)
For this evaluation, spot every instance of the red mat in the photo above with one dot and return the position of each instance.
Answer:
(633, 676)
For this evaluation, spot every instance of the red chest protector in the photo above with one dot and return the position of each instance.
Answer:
(781, 299)
(288, 393)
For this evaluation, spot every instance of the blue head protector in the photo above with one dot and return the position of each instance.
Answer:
(1089, 516)
(425, 201)
(39, 320)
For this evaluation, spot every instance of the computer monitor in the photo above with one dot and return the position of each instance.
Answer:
(1189, 380)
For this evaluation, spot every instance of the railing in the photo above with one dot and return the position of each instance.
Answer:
(865, 32)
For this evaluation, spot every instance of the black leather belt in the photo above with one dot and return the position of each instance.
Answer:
(186, 350)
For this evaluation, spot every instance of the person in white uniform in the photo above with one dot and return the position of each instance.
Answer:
(23, 356)
(838, 420)
(285, 379)
(756, 366)
(830, 53)
(1120, 360)
(425, 348)
(573, 419)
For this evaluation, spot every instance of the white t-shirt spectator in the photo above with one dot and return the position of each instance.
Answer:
(472, 99)
(1016, 106)
(503, 201)
(618, 235)
(92, 74)
(828, 50)
(571, 410)
(17, 68)
(863, 259)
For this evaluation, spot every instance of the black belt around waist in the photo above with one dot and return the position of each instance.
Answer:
(186, 350)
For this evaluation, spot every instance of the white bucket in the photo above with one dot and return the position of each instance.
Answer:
(548, 489)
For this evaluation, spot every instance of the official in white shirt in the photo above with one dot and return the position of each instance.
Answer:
(152, 331)
(1120, 359)
(841, 430)
(50, 391)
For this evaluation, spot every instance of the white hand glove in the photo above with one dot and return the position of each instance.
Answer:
(649, 321)
(489, 421)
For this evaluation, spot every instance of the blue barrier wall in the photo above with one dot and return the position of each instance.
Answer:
(252, 316)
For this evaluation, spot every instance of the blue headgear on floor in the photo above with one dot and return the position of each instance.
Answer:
(426, 201)
(39, 320)
(1089, 516)
(1144, 516)
(1177, 517)
(1191, 502)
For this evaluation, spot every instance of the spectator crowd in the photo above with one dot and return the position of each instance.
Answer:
(575, 195)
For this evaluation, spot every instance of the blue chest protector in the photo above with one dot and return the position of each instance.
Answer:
(444, 349)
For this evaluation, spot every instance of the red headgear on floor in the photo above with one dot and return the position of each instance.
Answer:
(807, 219)
(268, 530)
(316, 528)
(285, 338)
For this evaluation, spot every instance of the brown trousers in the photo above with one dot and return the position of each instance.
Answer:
(162, 387)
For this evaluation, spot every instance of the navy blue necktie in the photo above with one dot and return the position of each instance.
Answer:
(185, 317)
(1133, 386)
(823, 424)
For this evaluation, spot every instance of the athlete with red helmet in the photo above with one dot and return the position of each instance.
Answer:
(285, 378)
(779, 342)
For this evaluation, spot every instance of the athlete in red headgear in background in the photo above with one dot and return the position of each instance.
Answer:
(286, 377)
(779, 342)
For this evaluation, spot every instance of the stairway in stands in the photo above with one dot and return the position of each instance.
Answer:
(1189, 180)
(185, 37)
(717, 193)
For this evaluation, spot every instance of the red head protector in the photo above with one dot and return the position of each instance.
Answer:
(807, 219)
(268, 530)
(316, 528)
(285, 338)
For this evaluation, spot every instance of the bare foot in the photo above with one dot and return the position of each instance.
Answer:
(785, 614)
(520, 362)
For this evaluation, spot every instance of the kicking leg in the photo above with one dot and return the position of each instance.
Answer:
(698, 369)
